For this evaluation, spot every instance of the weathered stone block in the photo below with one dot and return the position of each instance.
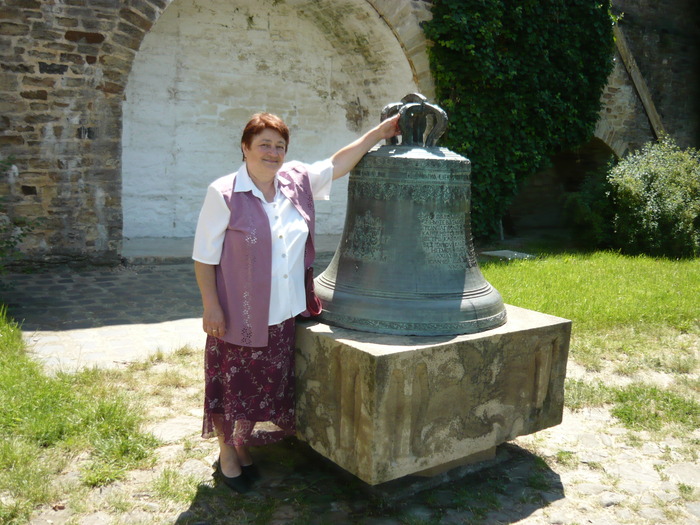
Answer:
(38, 94)
(12, 29)
(383, 407)
(52, 69)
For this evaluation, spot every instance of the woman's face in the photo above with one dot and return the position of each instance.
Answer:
(266, 154)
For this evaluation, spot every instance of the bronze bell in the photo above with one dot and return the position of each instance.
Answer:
(405, 263)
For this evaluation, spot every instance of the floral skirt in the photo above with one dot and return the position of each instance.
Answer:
(250, 390)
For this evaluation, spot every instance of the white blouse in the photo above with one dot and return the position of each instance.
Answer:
(288, 229)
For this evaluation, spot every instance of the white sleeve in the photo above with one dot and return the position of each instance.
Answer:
(211, 228)
(321, 178)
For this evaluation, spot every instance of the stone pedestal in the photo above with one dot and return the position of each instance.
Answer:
(386, 406)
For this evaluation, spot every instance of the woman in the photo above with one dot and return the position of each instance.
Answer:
(253, 242)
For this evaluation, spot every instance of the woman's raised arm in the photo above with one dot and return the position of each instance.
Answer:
(346, 158)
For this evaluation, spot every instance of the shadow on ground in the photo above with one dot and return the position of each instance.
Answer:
(300, 486)
(67, 299)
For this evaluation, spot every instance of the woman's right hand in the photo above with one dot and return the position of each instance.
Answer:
(213, 322)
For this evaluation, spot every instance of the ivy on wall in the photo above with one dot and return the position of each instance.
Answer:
(519, 80)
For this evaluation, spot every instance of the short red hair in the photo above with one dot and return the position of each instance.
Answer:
(259, 123)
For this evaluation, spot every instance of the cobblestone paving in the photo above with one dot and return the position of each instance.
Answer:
(73, 299)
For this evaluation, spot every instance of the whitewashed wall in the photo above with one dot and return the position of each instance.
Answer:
(327, 67)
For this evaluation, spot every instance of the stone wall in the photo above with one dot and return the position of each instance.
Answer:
(61, 86)
(663, 37)
(102, 118)
(623, 125)
(66, 69)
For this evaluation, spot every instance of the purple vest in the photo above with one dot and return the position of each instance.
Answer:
(243, 276)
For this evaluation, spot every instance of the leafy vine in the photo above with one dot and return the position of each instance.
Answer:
(520, 81)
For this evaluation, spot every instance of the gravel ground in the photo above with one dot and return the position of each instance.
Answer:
(587, 470)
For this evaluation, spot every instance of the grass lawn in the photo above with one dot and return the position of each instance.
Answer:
(46, 421)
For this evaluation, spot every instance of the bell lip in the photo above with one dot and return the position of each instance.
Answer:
(414, 314)
(413, 328)
(327, 288)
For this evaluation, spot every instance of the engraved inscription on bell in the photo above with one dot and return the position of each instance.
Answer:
(365, 239)
(406, 263)
(443, 240)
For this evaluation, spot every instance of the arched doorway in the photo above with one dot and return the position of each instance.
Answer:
(326, 68)
(539, 207)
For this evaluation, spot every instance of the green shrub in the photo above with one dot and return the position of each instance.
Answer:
(655, 194)
(519, 81)
(46, 417)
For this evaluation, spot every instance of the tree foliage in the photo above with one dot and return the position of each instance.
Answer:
(519, 81)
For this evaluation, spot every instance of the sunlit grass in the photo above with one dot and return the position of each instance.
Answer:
(579, 394)
(688, 492)
(175, 486)
(630, 316)
(566, 458)
(45, 420)
(604, 290)
(633, 348)
(648, 407)
(633, 313)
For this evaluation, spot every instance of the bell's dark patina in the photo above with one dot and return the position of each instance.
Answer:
(406, 263)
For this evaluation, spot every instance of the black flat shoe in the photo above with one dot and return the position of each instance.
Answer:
(240, 483)
(251, 471)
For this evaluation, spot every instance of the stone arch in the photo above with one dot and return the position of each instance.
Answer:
(403, 18)
(405, 22)
(623, 124)
(606, 132)
(617, 111)
(366, 60)
(540, 205)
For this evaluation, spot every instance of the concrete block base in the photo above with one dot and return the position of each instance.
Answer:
(385, 406)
